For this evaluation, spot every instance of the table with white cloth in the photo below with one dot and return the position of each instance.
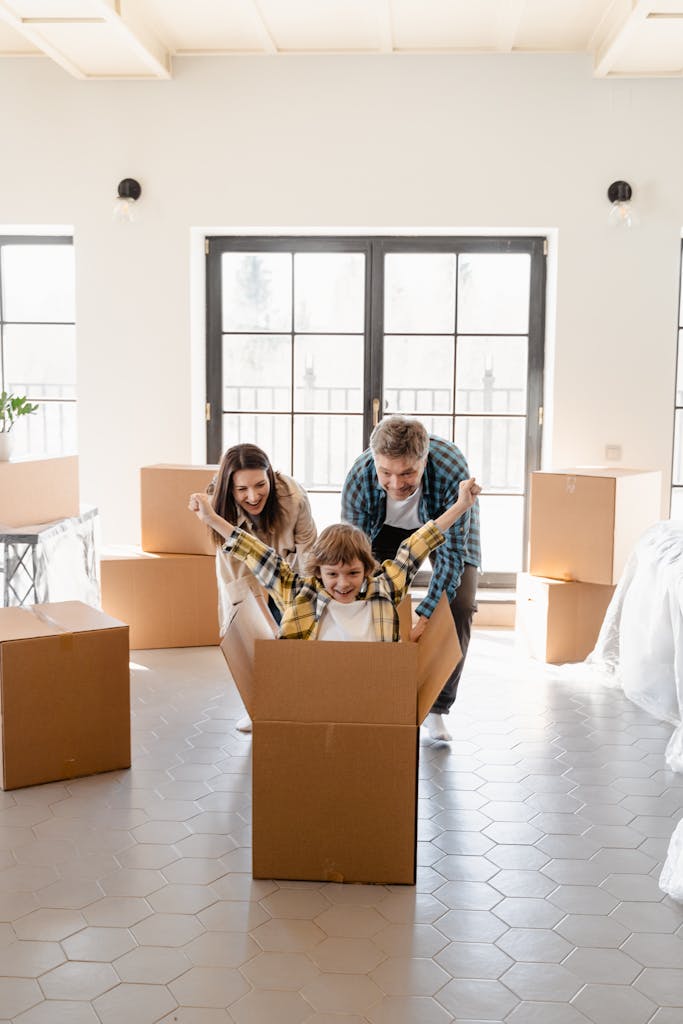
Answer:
(47, 562)
(640, 649)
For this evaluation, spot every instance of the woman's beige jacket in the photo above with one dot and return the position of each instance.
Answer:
(291, 539)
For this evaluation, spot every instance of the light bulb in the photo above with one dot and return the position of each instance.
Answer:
(123, 210)
(621, 215)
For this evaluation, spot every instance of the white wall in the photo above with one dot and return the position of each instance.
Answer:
(360, 142)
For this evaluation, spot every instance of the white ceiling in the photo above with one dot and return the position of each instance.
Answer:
(139, 38)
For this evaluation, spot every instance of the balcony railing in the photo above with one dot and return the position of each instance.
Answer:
(330, 442)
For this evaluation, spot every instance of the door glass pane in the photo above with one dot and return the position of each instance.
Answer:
(418, 374)
(324, 448)
(502, 524)
(257, 371)
(38, 283)
(49, 431)
(494, 449)
(677, 503)
(271, 433)
(40, 360)
(329, 290)
(492, 375)
(257, 291)
(328, 373)
(493, 293)
(679, 371)
(326, 507)
(419, 293)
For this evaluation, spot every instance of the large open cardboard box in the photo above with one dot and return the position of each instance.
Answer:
(335, 745)
(64, 691)
(584, 522)
(36, 491)
(167, 523)
(559, 621)
(167, 600)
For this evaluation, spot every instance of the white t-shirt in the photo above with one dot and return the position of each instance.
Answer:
(346, 622)
(405, 513)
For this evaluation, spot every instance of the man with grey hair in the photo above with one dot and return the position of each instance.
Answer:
(405, 478)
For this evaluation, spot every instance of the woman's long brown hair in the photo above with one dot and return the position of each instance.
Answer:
(244, 456)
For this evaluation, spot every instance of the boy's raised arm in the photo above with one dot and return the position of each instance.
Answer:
(467, 495)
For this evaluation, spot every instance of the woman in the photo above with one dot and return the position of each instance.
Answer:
(247, 492)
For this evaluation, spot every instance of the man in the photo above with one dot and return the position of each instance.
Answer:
(405, 478)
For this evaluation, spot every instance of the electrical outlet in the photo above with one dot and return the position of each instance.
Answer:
(613, 452)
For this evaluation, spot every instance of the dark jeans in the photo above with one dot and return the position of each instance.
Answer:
(463, 607)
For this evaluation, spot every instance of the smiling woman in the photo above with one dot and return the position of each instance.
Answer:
(273, 507)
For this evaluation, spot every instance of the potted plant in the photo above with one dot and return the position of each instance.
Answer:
(11, 408)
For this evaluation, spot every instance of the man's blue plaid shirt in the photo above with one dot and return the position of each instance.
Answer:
(364, 503)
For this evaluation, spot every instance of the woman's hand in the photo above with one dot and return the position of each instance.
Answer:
(201, 505)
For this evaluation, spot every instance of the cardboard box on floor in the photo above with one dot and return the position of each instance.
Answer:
(584, 522)
(336, 744)
(559, 621)
(167, 600)
(168, 526)
(65, 692)
(37, 491)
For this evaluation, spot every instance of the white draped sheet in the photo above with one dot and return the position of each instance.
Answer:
(640, 649)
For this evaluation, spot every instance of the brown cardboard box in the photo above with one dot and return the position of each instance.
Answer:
(65, 691)
(335, 746)
(584, 522)
(167, 600)
(559, 621)
(36, 491)
(167, 523)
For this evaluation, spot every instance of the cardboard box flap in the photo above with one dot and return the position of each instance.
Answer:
(335, 682)
(438, 653)
(246, 625)
(22, 624)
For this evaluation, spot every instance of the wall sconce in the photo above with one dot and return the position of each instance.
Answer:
(128, 192)
(621, 212)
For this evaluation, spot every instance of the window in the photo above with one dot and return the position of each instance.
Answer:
(310, 340)
(677, 468)
(37, 339)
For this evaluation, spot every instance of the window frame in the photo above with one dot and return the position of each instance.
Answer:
(375, 248)
(13, 240)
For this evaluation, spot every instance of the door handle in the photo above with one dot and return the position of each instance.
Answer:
(375, 411)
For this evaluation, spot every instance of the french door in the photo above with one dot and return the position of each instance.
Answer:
(311, 340)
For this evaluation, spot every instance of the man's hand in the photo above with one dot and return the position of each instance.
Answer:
(418, 628)
(468, 491)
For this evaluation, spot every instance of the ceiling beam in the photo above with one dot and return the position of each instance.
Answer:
(267, 41)
(507, 22)
(385, 26)
(119, 15)
(617, 28)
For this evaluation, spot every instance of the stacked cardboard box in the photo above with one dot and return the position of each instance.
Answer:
(36, 491)
(583, 524)
(166, 591)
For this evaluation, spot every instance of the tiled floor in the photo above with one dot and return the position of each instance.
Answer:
(127, 899)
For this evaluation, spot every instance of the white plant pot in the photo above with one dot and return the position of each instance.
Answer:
(6, 440)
